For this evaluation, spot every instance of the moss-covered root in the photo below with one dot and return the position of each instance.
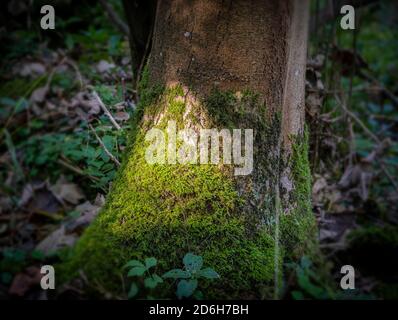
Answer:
(165, 211)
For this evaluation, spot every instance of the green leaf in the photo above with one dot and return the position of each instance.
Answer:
(133, 291)
(108, 141)
(186, 288)
(21, 105)
(74, 214)
(208, 273)
(69, 42)
(192, 262)
(134, 263)
(136, 271)
(177, 274)
(89, 152)
(153, 281)
(150, 262)
(38, 255)
(312, 289)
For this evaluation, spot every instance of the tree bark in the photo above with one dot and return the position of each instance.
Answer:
(140, 16)
(228, 44)
(215, 64)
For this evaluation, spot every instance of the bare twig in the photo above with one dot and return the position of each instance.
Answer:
(358, 121)
(106, 111)
(77, 71)
(386, 91)
(75, 169)
(370, 135)
(13, 153)
(29, 91)
(114, 17)
(110, 155)
(388, 175)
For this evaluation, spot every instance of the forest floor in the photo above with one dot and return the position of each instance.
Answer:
(65, 106)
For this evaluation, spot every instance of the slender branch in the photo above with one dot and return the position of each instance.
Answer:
(77, 71)
(106, 111)
(389, 176)
(358, 121)
(114, 17)
(110, 155)
(386, 91)
(372, 136)
(76, 170)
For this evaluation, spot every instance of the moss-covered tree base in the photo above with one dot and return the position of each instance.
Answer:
(166, 211)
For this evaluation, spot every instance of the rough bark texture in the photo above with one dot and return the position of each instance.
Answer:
(294, 88)
(214, 64)
(232, 45)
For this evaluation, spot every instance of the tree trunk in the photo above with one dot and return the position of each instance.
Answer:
(227, 65)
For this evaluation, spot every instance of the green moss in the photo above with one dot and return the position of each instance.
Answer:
(298, 227)
(166, 211)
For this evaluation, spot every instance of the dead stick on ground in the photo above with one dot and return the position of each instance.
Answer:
(370, 135)
(113, 158)
(106, 111)
(389, 176)
(358, 121)
(386, 91)
(77, 71)
(76, 170)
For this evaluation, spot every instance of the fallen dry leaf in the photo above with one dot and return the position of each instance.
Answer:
(104, 66)
(87, 212)
(32, 69)
(39, 95)
(36, 197)
(55, 241)
(85, 104)
(327, 235)
(23, 282)
(67, 191)
(27, 194)
(319, 185)
(121, 116)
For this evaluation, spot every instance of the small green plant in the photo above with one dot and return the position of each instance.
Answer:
(314, 286)
(309, 282)
(142, 269)
(187, 277)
